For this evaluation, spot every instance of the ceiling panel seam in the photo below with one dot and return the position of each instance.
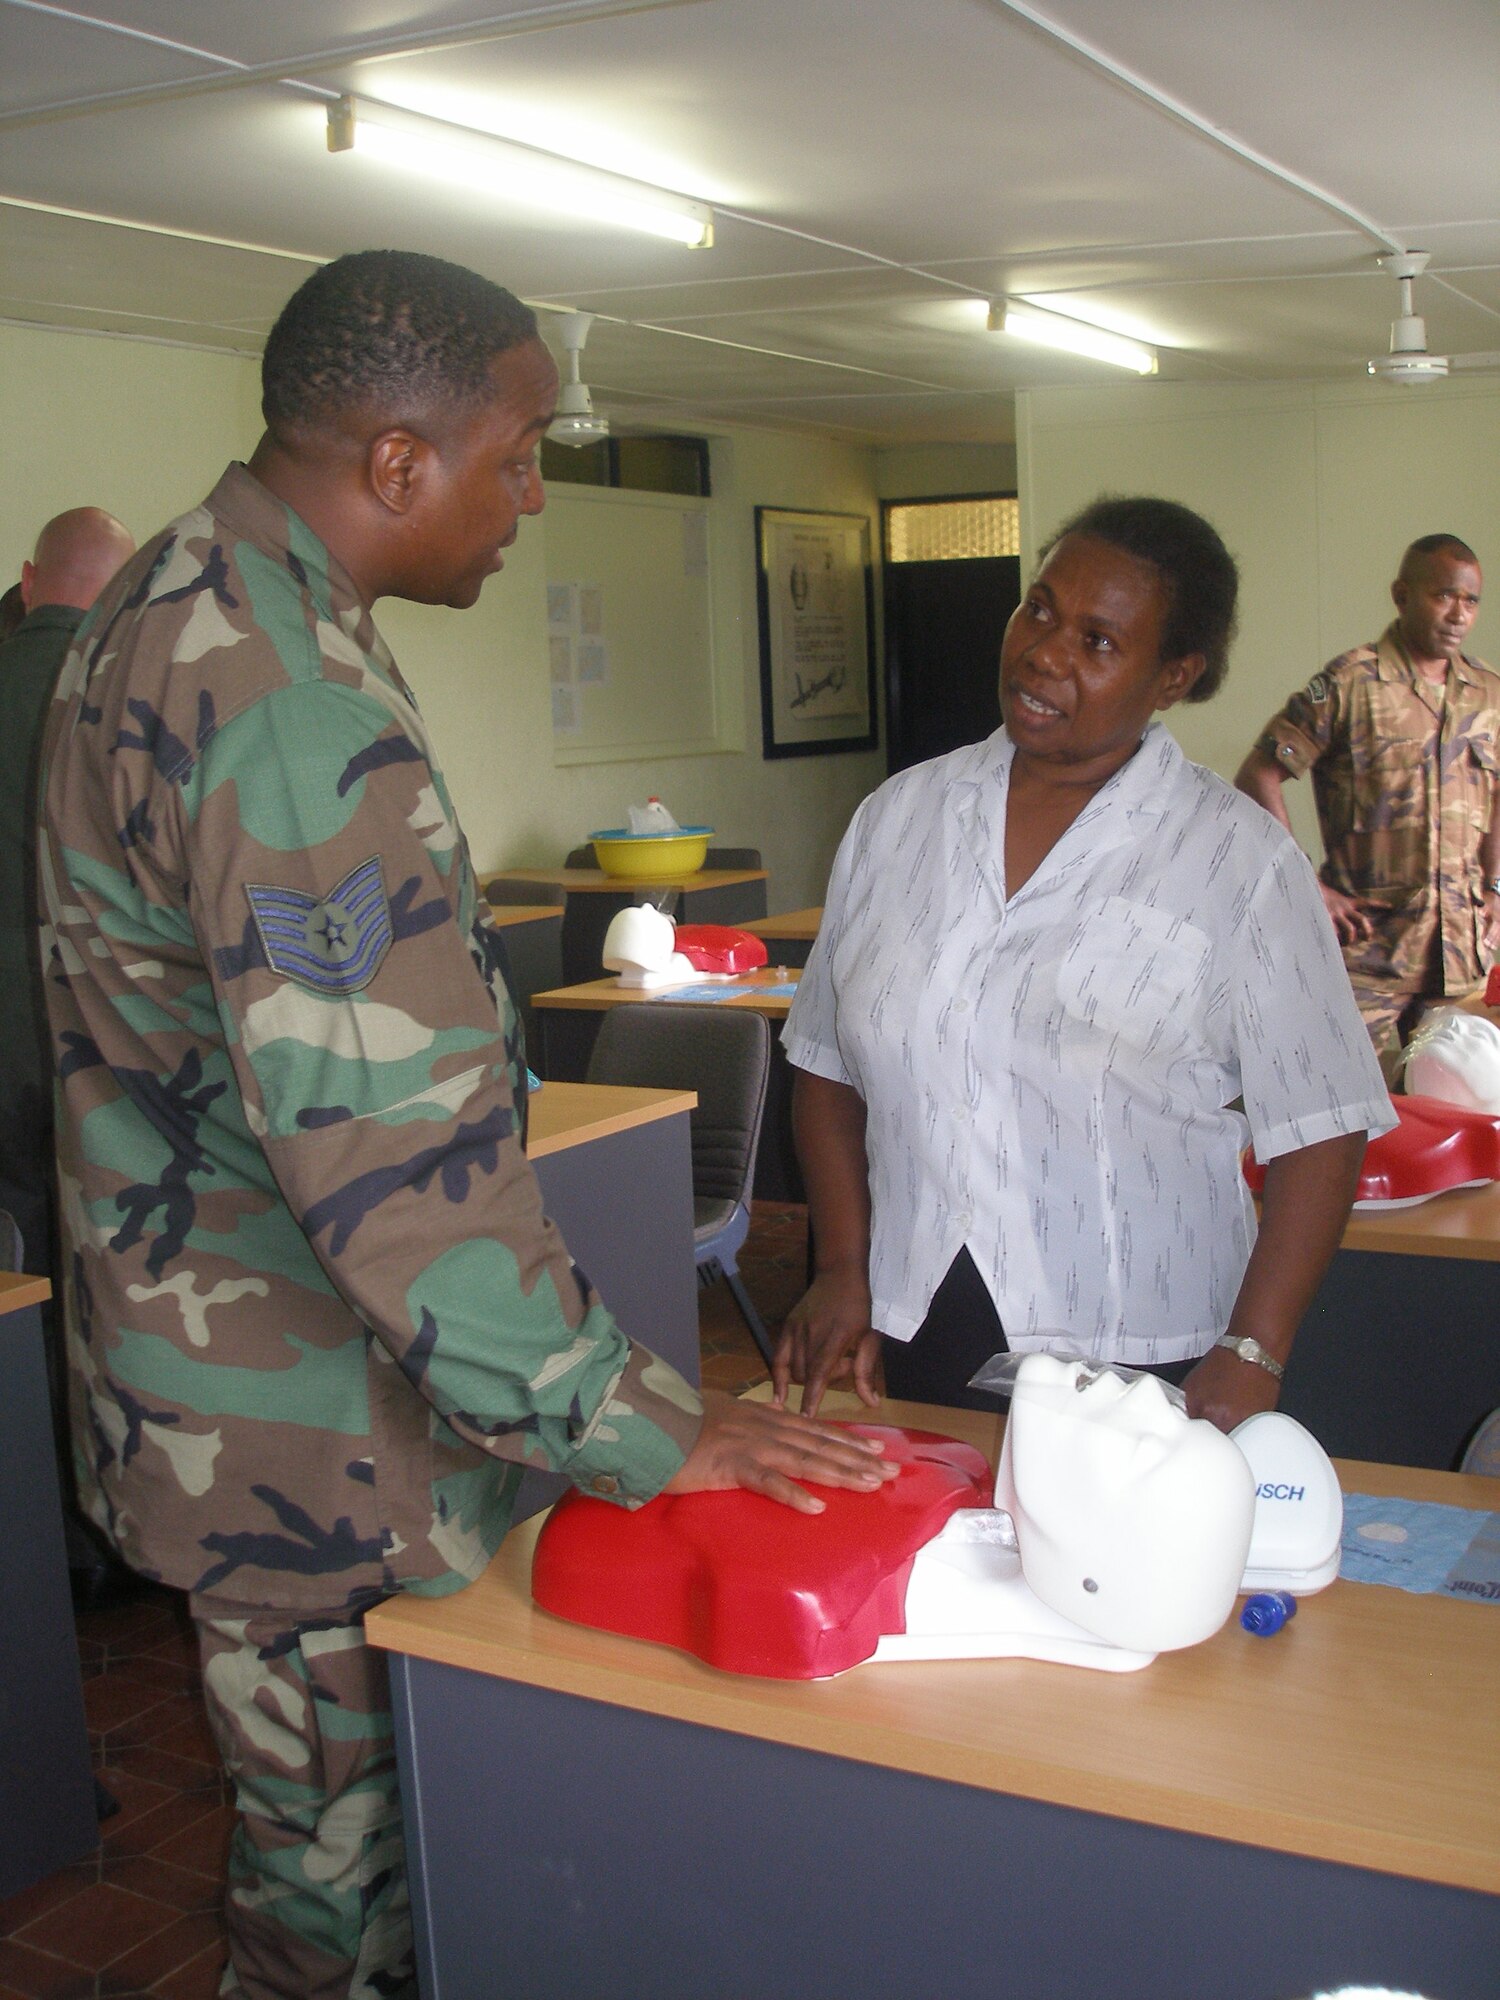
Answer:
(1184, 114)
(285, 69)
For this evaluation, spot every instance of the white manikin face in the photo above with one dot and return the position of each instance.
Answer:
(1132, 1518)
(639, 939)
(1457, 1058)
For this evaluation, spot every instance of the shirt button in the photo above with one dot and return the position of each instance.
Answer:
(960, 1006)
(604, 1483)
(964, 1220)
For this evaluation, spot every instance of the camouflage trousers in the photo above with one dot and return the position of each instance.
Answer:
(317, 1902)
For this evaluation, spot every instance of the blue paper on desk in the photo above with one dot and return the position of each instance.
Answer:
(717, 990)
(1421, 1546)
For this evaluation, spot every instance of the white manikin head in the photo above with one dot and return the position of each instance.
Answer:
(1132, 1518)
(639, 940)
(1456, 1057)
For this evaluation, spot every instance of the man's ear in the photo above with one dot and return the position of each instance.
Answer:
(397, 465)
(1179, 677)
(1399, 593)
(28, 582)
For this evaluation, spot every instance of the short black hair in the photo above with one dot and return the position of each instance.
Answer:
(1199, 575)
(1429, 545)
(391, 332)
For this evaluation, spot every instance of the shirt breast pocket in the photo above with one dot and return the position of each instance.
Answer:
(1137, 973)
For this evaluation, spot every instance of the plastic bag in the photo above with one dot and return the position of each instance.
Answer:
(998, 1374)
(652, 817)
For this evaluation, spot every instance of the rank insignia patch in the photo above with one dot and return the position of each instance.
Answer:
(331, 944)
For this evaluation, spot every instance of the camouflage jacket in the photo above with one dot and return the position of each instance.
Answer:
(1405, 775)
(316, 1318)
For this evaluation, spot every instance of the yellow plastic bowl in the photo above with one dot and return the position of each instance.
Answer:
(652, 857)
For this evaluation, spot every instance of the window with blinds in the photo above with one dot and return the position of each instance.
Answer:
(952, 530)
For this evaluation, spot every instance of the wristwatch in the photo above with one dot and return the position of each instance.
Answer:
(1251, 1350)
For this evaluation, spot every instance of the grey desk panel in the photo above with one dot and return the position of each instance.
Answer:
(624, 1204)
(1398, 1358)
(47, 1816)
(565, 1849)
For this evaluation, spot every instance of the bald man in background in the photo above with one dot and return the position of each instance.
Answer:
(76, 555)
(1402, 738)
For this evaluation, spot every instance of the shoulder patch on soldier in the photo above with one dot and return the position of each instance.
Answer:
(1317, 688)
(330, 944)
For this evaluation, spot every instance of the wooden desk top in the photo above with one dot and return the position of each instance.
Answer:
(19, 1288)
(595, 995)
(1367, 1732)
(503, 914)
(561, 1115)
(587, 881)
(797, 924)
(1465, 1223)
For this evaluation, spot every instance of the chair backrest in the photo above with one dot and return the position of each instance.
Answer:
(722, 1053)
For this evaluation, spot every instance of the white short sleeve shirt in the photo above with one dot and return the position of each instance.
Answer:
(1046, 1075)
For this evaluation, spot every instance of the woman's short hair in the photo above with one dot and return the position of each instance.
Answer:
(1199, 574)
(393, 334)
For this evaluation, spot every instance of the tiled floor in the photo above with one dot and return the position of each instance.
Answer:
(141, 1915)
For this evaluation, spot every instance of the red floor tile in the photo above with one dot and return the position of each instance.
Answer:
(186, 1890)
(178, 1774)
(39, 1976)
(94, 1927)
(147, 1833)
(29, 1904)
(162, 1955)
(115, 1698)
(204, 1845)
(197, 1980)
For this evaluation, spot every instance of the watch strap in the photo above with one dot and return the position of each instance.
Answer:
(1251, 1350)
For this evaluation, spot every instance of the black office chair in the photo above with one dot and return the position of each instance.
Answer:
(724, 1054)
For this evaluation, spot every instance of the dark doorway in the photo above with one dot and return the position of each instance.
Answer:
(944, 617)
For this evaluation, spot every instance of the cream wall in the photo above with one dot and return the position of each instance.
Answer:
(1316, 488)
(144, 429)
(915, 471)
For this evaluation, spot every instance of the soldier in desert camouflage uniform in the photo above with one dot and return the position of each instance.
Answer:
(317, 1320)
(1403, 740)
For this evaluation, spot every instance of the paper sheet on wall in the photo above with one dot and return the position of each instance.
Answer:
(564, 710)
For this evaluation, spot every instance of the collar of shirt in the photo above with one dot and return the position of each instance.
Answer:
(50, 618)
(253, 514)
(1120, 810)
(1394, 663)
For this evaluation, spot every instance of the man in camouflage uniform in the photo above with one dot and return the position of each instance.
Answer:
(317, 1321)
(1403, 740)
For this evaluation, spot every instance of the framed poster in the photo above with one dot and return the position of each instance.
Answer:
(817, 632)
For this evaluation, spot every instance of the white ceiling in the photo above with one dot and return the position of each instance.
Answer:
(879, 168)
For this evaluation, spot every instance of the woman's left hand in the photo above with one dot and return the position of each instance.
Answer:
(1226, 1390)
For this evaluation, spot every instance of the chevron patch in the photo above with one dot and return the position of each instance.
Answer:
(330, 944)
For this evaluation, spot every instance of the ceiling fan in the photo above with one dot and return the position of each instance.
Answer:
(1409, 359)
(576, 422)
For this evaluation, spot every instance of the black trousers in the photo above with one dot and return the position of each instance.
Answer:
(960, 1333)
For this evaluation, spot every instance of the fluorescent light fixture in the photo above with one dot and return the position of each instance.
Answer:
(1046, 328)
(513, 172)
